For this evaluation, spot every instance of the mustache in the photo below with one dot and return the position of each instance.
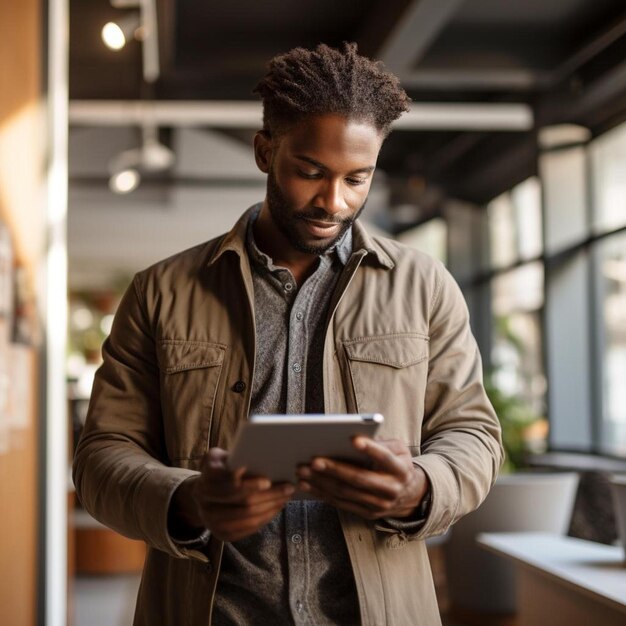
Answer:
(319, 215)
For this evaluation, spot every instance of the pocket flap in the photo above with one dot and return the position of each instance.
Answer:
(398, 350)
(178, 356)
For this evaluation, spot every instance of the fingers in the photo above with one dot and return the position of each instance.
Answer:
(247, 510)
(216, 457)
(215, 469)
(352, 478)
(221, 484)
(368, 500)
(233, 529)
(388, 455)
(233, 490)
(391, 488)
(233, 505)
(358, 508)
(249, 490)
(230, 522)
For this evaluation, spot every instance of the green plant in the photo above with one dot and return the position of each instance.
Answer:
(517, 420)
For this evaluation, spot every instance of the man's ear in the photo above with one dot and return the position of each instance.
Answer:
(263, 148)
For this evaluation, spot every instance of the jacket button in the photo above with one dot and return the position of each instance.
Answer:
(239, 386)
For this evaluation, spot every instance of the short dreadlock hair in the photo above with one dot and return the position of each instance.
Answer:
(326, 80)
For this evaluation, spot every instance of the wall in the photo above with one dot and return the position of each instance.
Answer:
(22, 133)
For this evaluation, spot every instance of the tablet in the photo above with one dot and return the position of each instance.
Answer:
(275, 445)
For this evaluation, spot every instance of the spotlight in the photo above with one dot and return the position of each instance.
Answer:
(155, 157)
(151, 157)
(116, 34)
(124, 181)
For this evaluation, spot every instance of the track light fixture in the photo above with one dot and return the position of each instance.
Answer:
(141, 25)
(116, 34)
(126, 168)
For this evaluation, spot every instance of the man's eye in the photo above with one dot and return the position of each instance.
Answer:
(356, 181)
(309, 175)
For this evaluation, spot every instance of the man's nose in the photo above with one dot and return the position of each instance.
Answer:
(331, 197)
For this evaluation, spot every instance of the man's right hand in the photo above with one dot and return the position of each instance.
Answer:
(229, 503)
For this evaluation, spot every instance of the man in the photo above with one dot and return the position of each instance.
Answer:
(296, 310)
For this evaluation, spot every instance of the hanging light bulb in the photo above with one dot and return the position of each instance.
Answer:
(151, 157)
(124, 181)
(116, 34)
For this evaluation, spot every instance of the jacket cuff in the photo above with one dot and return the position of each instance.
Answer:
(444, 495)
(152, 506)
(194, 548)
(411, 525)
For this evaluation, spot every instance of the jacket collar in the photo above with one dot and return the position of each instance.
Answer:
(235, 241)
(362, 240)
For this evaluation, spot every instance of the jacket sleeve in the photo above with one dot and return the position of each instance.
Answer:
(461, 451)
(120, 469)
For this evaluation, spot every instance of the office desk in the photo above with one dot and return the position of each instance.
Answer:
(562, 581)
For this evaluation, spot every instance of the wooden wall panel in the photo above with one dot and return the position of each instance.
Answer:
(22, 173)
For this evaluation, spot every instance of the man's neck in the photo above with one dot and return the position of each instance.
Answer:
(273, 242)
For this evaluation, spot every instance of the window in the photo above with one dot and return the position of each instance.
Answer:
(501, 220)
(612, 287)
(549, 306)
(516, 288)
(585, 313)
(516, 353)
(515, 225)
(608, 159)
(429, 237)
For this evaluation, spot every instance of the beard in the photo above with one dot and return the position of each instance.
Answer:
(287, 220)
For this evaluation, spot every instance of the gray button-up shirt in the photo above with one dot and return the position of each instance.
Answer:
(296, 570)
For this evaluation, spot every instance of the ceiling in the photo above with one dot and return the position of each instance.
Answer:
(566, 59)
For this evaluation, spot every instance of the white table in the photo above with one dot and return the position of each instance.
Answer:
(563, 581)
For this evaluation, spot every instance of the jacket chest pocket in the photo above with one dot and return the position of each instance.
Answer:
(190, 375)
(388, 375)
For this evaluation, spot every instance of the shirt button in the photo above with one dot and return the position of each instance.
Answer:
(297, 368)
(239, 386)
(299, 316)
(288, 287)
(297, 538)
(299, 606)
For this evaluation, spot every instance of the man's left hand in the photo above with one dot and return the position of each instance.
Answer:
(391, 487)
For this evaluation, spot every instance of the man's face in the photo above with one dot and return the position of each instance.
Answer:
(318, 180)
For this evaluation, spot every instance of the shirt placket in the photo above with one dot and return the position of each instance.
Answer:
(296, 522)
(292, 319)
(297, 353)
(296, 538)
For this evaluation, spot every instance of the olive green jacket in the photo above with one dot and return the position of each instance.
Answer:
(398, 342)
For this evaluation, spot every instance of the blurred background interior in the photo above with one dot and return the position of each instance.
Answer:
(125, 136)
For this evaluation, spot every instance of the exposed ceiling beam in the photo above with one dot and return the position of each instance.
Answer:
(415, 31)
(241, 114)
(597, 101)
(167, 182)
(472, 116)
(610, 86)
(475, 79)
(590, 50)
(377, 24)
(418, 27)
(213, 113)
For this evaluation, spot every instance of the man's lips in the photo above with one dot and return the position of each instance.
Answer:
(320, 228)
